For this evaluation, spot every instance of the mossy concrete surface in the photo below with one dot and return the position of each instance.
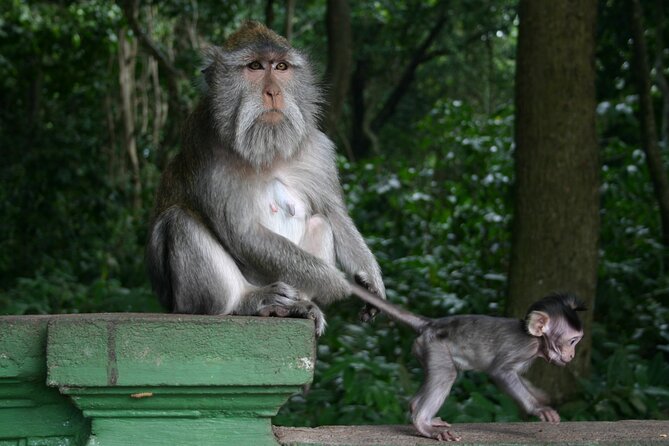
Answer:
(631, 432)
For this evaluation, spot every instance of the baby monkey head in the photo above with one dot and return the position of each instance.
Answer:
(554, 319)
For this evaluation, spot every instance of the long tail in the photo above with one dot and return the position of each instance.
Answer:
(393, 311)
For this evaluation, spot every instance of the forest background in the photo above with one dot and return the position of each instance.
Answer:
(490, 151)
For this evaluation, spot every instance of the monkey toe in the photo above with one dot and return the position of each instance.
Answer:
(368, 313)
(299, 309)
(274, 310)
(549, 415)
(308, 310)
(437, 433)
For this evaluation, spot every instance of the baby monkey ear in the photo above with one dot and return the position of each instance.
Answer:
(537, 323)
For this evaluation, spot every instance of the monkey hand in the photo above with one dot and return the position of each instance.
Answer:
(438, 431)
(368, 312)
(547, 414)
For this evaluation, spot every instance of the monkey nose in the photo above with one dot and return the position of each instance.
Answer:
(272, 92)
(272, 97)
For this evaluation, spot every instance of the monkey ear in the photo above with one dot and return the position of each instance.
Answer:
(210, 57)
(537, 323)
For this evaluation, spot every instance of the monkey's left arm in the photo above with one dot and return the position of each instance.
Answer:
(353, 254)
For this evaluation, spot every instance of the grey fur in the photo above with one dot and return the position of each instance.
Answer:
(501, 347)
(249, 216)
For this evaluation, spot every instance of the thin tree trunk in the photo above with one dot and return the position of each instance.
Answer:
(172, 74)
(142, 96)
(660, 78)
(359, 140)
(127, 54)
(158, 110)
(649, 141)
(269, 13)
(338, 25)
(556, 208)
(112, 160)
(288, 23)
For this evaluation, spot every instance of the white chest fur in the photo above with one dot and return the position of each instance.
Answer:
(284, 210)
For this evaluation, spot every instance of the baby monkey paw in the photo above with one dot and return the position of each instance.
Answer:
(436, 428)
(446, 435)
(547, 414)
(439, 432)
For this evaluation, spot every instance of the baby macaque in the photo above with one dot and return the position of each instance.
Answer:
(504, 348)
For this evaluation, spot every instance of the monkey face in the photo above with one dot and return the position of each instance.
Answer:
(562, 348)
(268, 77)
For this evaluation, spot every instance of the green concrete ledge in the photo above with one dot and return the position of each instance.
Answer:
(30, 412)
(631, 432)
(148, 379)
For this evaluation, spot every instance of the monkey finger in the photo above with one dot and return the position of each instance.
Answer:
(447, 436)
(362, 279)
(549, 415)
(274, 310)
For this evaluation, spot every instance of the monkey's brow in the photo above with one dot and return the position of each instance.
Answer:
(243, 57)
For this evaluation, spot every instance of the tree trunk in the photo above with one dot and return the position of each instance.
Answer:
(269, 13)
(556, 214)
(177, 107)
(660, 78)
(360, 142)
(288, 22)
(338, 25)
(126, 77)
(649, 141)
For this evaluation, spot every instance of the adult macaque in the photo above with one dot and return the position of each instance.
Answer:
(249, 217)
(502, 347)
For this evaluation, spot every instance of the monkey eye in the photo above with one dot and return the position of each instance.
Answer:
(255, 65)
(281, 66)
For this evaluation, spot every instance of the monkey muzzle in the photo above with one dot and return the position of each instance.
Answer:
(272, 116)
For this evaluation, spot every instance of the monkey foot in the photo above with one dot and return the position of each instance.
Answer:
(368, 312)
(282, 300)
(309, 310)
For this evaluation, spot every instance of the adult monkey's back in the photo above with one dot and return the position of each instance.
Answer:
(249, 216)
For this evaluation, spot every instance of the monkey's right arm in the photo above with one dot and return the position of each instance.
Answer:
(278, 259)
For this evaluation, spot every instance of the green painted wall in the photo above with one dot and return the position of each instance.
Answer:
(148, 379)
